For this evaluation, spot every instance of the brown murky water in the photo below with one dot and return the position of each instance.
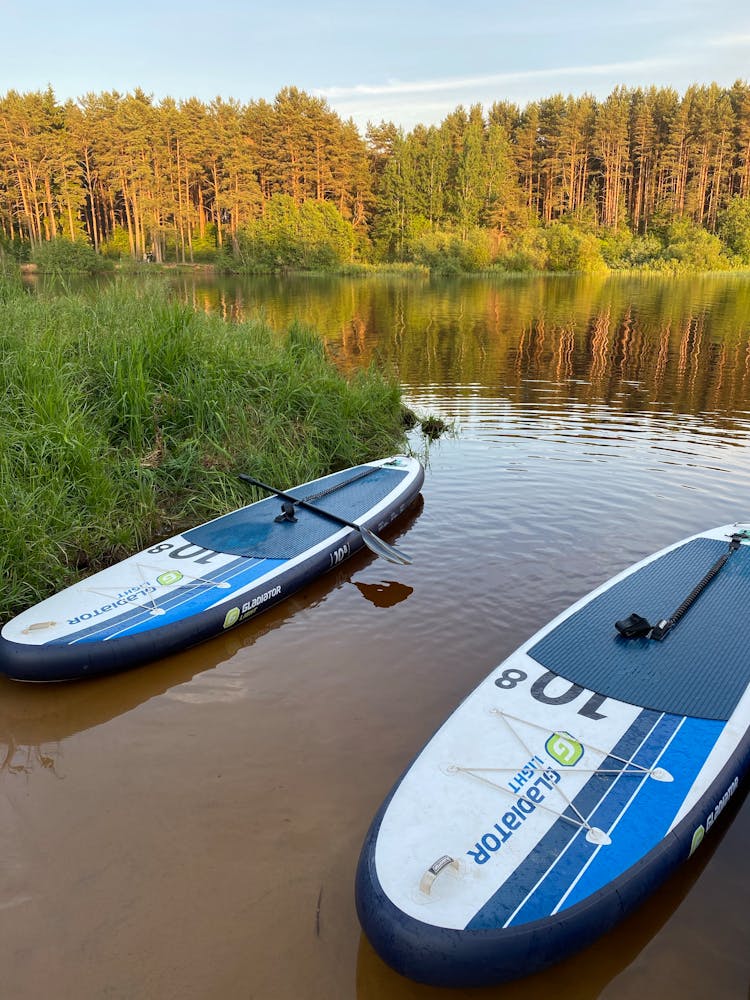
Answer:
(191, 829)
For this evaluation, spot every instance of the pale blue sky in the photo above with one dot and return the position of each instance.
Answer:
(402, 61)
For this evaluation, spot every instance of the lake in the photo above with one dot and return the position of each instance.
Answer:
(191, 829)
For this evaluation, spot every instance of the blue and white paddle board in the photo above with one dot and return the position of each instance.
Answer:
(572, 781)
(198, 584)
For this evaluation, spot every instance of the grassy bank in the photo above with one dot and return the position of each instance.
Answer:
(125, 418)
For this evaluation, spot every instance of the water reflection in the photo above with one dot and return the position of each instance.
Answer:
(385, 594)
(638, 343)
(641, 344)
(24, 758)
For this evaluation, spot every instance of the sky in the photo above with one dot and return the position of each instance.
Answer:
(407, 62)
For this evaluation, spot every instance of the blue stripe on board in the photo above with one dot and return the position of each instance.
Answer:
(547, 853)
(177, 604)
(641, 829)
(602, 814)
(563, 858)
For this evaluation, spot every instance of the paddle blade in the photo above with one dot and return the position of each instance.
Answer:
(383, 549)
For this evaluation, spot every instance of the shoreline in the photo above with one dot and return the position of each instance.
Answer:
(380, 270)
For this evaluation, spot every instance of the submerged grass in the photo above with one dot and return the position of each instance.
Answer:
(126, 418)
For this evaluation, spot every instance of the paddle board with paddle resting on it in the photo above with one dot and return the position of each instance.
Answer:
(198, 584)
(574, 779)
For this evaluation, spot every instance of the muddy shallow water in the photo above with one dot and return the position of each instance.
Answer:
(191, 829)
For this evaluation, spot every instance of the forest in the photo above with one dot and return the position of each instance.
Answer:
(647, 178)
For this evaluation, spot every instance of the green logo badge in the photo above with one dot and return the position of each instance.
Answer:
(698, 836)
(232, 617)
(564, 748)
(167, 579)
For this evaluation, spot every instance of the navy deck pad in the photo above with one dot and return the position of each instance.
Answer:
(252, 531)
(701, 668)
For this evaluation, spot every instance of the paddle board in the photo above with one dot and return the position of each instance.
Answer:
(204, 581)
(574, 779)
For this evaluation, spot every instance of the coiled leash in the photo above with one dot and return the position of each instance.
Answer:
(635, 626)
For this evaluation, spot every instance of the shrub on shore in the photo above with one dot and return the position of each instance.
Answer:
(126, 418)
(312, 236)
(63, 256)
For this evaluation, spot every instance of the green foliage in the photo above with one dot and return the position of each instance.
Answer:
(10, 282)
(614, 245)
(205, 247)
(675, 246)
(622, 250)
(734, 228)
(570, 249)
(312, 236)
(446, 253)
(118, 244)
(328, 240)
(14, 249)
(524, 253)
(560, 247)
(433, 427)
(63, 256)
(689, 247)
(128, 415)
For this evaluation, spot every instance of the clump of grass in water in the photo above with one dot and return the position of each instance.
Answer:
(125, 418)
(433, 427)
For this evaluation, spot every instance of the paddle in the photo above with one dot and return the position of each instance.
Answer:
(371, 540)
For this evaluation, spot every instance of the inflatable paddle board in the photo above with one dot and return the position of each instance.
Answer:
(574, 779)
(211, 578)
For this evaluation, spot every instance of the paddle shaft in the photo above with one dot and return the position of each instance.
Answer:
(371, 540)
(300, 502)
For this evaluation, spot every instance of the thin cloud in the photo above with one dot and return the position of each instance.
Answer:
(397, 87)
(727, 41)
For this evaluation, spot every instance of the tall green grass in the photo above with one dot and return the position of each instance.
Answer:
(125, 418)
